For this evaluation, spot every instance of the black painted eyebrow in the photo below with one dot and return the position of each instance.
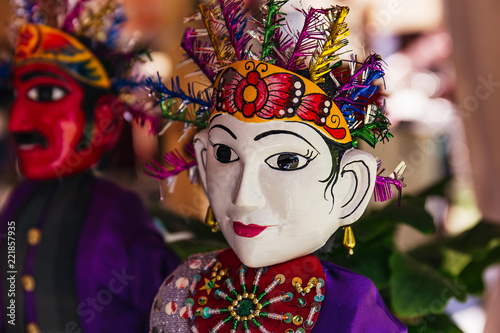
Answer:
(225, 129)
(274, 132)
(213, 118)
(34, 74)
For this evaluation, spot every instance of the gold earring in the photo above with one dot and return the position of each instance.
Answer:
(349, 240)
(210, 220)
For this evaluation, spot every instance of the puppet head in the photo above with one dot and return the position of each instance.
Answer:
(278, 160)
(67, 111)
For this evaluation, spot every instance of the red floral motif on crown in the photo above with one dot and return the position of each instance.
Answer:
(278, 95)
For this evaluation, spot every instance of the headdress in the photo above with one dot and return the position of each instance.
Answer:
(259, 71)
(82, 39)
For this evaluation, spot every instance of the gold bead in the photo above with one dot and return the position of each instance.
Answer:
(313, 281)
(251, 296)
(28, 283)
(255, 301)
(233, 313)
(299, 289)
(296, 281)
(307, 290)
(258, 306)
(230, 308)
(238, 318)
(257, 313)
(214, 275)
(244, 318)
(34, 236)
(250, 316)
(245, 295)
(239, 297)
(234, 303)
(32, 328)
(218, 278)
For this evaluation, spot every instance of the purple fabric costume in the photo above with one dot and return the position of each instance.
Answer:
(120, 260)
(352, 303)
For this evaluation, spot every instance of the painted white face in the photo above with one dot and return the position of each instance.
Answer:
(265, 183)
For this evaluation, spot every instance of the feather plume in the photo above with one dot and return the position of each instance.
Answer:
(211, 15)
(284, 48)
(176, 163)
(374, 130)
(327, 55)
(272, 20)
(191, 109)
(234, 13)
(308, 39)
(383, 185)
(203, 57)
(68, 23)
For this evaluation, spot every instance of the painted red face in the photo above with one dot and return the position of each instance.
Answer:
(47, 123)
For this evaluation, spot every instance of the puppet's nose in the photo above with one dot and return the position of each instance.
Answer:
(248, 193)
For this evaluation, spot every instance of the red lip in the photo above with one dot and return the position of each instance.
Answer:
(247, 230)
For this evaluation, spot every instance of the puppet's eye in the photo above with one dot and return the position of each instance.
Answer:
(288, 161)
(224, 154)
(46, 93)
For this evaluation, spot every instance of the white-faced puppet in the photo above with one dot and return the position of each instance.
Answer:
(279, 163)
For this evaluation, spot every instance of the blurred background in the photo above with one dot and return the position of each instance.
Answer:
(442, 84)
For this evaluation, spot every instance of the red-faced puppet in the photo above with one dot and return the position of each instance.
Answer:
(65, 115)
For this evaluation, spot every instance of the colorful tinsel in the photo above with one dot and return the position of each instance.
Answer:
(314, 52)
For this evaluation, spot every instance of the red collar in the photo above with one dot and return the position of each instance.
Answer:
(231, 297)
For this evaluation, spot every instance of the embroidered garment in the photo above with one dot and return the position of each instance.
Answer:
(214, 292)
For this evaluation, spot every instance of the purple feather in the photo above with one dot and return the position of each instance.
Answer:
(174, 160)
(68, 25)
(383, 190)
(285, 43)
(141, 117)
(202, 58)
(308, 39)
(235, 19)
(360, 84)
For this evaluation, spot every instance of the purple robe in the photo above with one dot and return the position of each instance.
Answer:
(120, 261)
(353, 304)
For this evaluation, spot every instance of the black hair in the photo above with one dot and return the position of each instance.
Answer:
(337, 150)
(88, 104)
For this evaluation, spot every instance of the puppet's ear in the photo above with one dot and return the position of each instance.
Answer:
(200, 148)
(355, 184)
(108, 121)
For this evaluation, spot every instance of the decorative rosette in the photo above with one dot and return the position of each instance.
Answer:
(230, 297)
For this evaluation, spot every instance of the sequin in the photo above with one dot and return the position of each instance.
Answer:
(183, 313)
(171, 308)
(195, 263)
(202, 300)
(181, 283)
(158, 304)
